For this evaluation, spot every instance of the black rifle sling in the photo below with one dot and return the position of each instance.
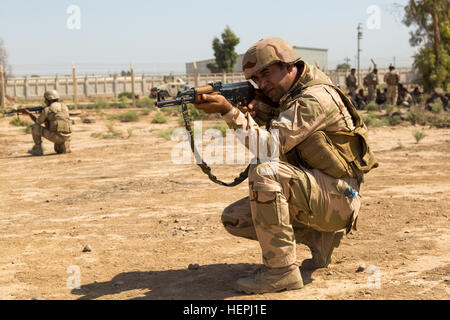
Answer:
(198, 159)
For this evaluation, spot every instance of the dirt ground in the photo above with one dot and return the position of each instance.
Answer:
(147, 219)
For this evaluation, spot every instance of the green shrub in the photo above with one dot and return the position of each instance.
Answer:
(125, 94)
(130, 116)
(394, 120)
(442, 121)
(399, 146)
(390, 109)
(100, 104)
(144, 102)
(123, 105)
(371, 120)
(147, 111)
(419, 135)
(159, 118)
(130, 133)
(110, 134)
(165, 134)
(18, 122)
(195, 113)
(383, 122)
(372, 106)
(416, 116)
(437, 108)
(169, 111)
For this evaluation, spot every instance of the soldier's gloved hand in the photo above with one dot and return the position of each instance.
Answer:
(262, 109)
(214, 103)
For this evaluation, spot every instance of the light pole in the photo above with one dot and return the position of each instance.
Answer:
(359, 51)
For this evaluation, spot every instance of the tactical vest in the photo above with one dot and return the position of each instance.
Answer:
(59, 120)
(392, 79)
(367, 81)
(337, 154)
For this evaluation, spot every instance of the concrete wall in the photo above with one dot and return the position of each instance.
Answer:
(98, 86)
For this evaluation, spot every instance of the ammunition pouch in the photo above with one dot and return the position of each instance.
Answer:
(337, 154)
(62, 126)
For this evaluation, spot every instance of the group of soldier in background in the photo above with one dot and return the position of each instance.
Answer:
(394, 94)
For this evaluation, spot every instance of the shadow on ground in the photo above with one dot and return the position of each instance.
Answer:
(210, 282)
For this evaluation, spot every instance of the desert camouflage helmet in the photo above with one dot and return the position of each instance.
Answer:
(51, 95)
(266, 52)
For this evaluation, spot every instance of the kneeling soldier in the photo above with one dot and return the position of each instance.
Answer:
(311, 195)
(55, 117)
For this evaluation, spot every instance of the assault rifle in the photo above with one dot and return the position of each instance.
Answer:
(238, 94)
(21, 110)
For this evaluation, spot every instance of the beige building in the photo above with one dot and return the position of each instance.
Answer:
(313, 56)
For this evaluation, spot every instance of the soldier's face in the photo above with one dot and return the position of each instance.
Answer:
(275, 80)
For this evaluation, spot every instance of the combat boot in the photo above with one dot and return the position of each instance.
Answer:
(321, 245)
(270, 280)
(36, 150)
(63, 147)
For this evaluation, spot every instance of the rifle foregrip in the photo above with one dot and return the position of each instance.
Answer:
(202, 90)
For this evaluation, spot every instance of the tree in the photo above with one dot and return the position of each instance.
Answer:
(4, 59)
(224, 52)
(431, 19)
(343, 67)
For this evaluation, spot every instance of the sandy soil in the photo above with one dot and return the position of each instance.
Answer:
(147, 219)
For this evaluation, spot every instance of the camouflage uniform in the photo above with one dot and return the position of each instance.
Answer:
(286, 201)
(371, 81)
(56, 119)
(351, 83)
(392, 79)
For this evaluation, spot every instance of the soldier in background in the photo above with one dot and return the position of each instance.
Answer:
(360, 99)
(405, 99)
(392, 78)
(438, 96)
(371, 82)
(351, 83)
(381, 97)
(417, 95)
(56, 120)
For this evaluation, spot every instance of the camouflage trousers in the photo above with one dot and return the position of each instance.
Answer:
(391, 95)
(61, 141)
(371, 93)
(283, 201)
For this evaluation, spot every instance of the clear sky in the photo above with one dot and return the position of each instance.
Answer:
(161, 36)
